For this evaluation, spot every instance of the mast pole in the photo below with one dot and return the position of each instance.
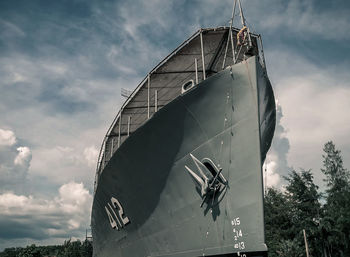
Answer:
(243, 22)
(230, 37)
(231, 24)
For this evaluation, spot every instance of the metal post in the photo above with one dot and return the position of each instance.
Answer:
(228, 41)
(120, 120)
(233, 47)
(265, 186)
(129, 119)
(148, 87)
(155, 100)
(202, 50)
(231, 24)
(196, 68)
(112, 145)
(230, 37)
(306, 245)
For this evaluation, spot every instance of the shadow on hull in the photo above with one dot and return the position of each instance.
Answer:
(228, 118)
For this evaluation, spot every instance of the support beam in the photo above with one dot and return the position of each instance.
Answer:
(196, 68)
(176, 72)
(112, 145)
(155, 100)
(148, 88)
(120, 122)
(129, 121)
(141, 107)
(202, 51)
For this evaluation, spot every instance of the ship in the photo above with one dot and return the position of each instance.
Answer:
(180, 169)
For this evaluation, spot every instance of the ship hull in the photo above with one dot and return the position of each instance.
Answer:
(228, 118)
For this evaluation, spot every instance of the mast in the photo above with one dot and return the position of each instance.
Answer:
(244, 22)
(230, 37)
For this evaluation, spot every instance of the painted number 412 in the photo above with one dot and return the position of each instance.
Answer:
(118, 220)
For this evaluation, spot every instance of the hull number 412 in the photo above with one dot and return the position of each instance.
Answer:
(116, 215)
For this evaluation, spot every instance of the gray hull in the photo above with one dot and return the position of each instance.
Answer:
(229, 118)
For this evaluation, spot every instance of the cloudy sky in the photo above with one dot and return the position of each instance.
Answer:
(63, 64)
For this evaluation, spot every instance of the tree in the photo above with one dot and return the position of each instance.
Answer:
(70, 249)
(30, 251)
(288, 213)
(335, 225)
(337, 177)
(290, 248)
(86, 249)
(303, 197)
(277, 220)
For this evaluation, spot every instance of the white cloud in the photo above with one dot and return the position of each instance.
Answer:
(276, 164)
(91, 155)
(315, 114)
(64, 162)
(24, 156)
(7, 137)
(14, 161)
(315, 103)
(272, 178)
(73, 197)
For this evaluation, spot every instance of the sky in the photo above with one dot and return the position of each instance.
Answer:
(63, 64)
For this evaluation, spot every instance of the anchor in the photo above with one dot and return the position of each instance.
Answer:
(210, 178)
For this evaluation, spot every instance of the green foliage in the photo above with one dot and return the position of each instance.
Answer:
(299, 207)
(30, 251)
(68, 249)
(337, 177)
(335, 226)
(290, 248)
(303, 198)
(277, 220)
(288, 213)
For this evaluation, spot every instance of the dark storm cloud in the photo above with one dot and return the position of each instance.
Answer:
(34, 226)
(11, 228)
(58, 29)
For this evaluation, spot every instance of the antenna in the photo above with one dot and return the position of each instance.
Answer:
(125, 92)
